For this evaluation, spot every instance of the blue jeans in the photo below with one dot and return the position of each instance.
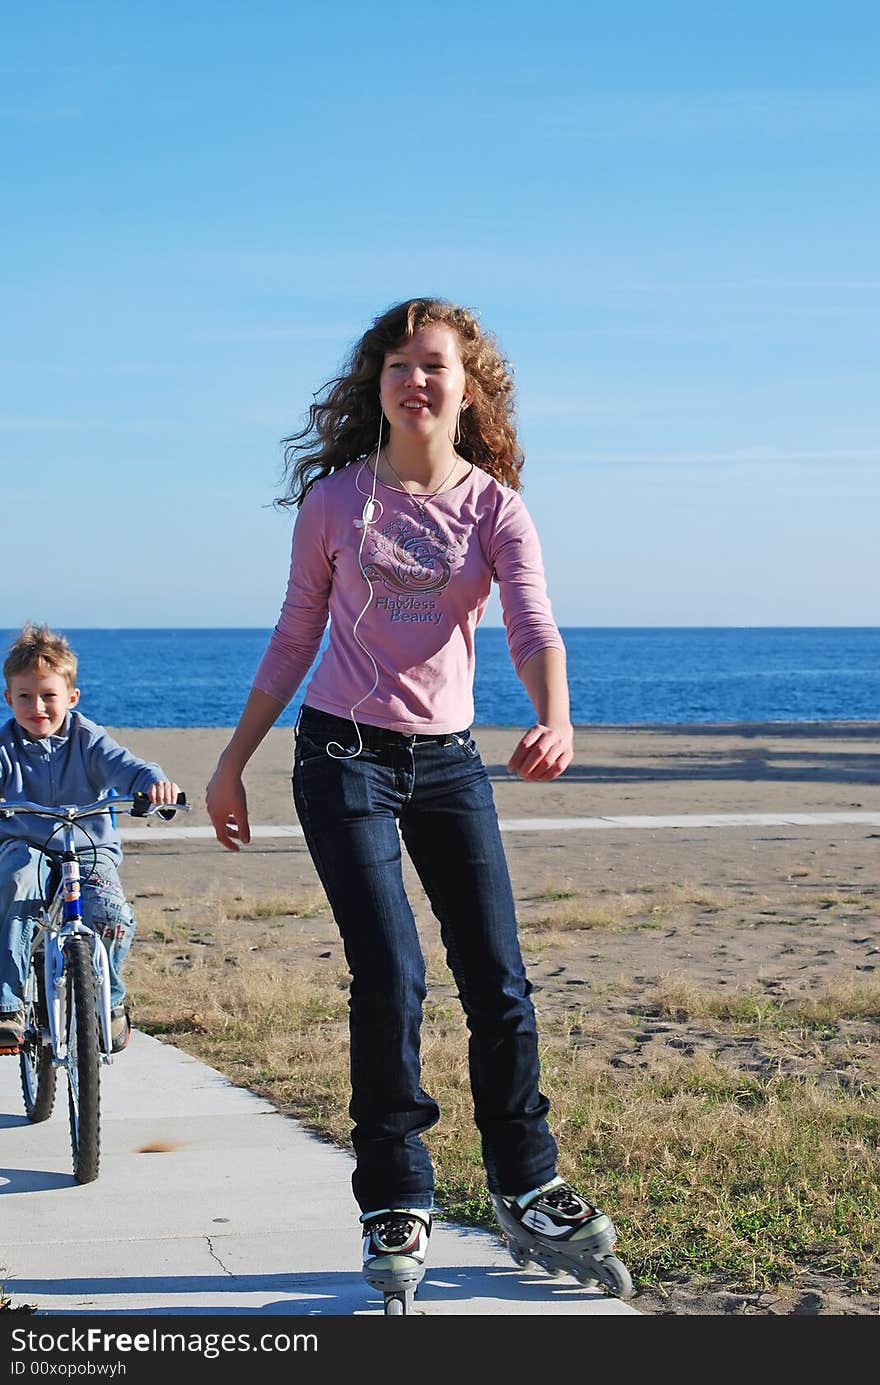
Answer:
(437, 790)
(105, 909)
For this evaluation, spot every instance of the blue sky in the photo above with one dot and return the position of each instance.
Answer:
(667, 214)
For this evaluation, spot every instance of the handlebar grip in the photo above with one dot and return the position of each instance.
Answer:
(166, 814)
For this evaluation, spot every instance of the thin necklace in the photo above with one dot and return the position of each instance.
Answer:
(420, 500)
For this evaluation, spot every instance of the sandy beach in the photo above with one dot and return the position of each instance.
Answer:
(785, 909)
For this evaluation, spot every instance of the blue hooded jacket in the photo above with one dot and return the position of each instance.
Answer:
(80, 764)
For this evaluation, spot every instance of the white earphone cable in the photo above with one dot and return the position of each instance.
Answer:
(368, 517)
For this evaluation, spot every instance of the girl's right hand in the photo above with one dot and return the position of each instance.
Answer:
(226, 802)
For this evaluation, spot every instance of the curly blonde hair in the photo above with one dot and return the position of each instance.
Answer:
(40, 650)
(344, 420)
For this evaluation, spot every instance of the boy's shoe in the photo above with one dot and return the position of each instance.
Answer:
(11, 1030)
(395, 1245)
(120, 1028)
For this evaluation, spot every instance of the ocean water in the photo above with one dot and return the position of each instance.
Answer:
(617, 676)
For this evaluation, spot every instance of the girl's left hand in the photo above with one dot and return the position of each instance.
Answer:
(544, 752)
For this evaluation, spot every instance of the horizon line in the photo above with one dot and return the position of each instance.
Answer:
(267, 629)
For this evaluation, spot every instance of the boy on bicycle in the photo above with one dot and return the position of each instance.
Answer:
(51, 754)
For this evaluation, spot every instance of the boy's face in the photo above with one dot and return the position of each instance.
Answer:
(40, 702)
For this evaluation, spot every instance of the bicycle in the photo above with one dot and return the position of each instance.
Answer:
(67, 992)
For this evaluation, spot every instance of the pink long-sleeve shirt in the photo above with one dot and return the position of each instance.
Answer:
(428, 581)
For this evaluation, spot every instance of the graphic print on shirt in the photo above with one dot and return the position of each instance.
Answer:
(413, 562)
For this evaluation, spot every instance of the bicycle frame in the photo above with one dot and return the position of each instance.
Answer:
(62, 921)
(67, 990)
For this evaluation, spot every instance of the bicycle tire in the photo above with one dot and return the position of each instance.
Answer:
(37, 1070)
(83, 1062)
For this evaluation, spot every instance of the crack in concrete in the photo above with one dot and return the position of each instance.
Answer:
(216, 1257)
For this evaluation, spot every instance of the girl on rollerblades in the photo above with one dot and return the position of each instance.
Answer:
(406, 480)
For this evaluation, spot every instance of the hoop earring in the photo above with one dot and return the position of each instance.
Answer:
(457, 439)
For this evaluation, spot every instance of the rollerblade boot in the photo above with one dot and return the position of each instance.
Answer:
(395, 1244)
(557, 1229)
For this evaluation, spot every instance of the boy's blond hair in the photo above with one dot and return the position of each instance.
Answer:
(41, 649)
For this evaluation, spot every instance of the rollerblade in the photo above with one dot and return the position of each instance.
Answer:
(395, 1244)
(556, 1228)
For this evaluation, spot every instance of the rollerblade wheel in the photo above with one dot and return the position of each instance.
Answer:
(614, 1276)
(586, 1278)
(519, 1257)
(398, 1305)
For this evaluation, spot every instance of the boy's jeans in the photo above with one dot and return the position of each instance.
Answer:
(438, 790)
(105, 909)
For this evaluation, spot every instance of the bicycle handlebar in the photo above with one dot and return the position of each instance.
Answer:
(143, 808)
(138, 805)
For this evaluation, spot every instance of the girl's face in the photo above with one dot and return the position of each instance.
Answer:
(423, 384)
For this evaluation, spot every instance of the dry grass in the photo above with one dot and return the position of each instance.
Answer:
(850, 1000)
(646, 906)
(832, 899)
(649, 906)
(276, 906)
(755, 1177)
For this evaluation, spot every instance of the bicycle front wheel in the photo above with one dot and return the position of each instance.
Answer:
(83, 1063)
(38, 1072)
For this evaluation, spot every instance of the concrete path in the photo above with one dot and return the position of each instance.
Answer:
(209, 1201)
(634, 822)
